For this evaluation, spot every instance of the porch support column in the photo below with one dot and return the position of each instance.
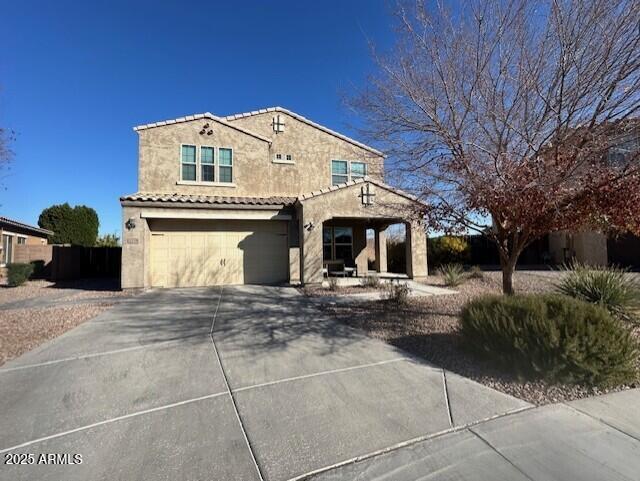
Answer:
(360, 247)
(416, 248)
(311, 252)
(380, 242)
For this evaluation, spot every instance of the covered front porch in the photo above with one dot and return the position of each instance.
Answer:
(333, 226)
(355, 247)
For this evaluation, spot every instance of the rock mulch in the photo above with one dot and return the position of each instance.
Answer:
(23, 329)
(428, 328)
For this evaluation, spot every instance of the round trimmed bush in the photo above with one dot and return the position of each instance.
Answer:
(17, 273)
(553, 337)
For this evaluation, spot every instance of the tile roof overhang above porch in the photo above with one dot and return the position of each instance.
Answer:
(350, 201)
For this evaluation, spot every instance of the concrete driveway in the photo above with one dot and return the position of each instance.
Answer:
(238, 383)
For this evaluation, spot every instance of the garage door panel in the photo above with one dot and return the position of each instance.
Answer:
(214, 253)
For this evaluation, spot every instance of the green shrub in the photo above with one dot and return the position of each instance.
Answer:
(17, 274)
(476, 273)
(396, 294)
(551, 336)
(448, 250)
(611, 288)
(333, 284)
(453, 274)
(38, 269)
(370, 281)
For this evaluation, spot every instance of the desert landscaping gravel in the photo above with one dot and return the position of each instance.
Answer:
(428, 328)
(23, 329)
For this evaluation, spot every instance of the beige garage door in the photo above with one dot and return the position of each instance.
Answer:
(209, 253)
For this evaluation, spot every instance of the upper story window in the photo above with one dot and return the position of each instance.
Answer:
(344, 171)
(206, 164)
(188, 161)
(22, 240)
(358, 170)
(225, 159)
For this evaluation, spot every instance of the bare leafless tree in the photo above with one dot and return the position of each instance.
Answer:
(500, 114)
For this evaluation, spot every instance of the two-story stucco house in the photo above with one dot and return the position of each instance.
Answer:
(261, 197)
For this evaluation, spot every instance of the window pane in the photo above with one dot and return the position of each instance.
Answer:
(343, 252)
(207, 173)
(338, 179)
(188, 171)
(339, 167)
(226, 174)
(326, 252)
(358, 169)
(206, 155)
(343, 235)
(189, 154)
(225, 157)
(326, 235)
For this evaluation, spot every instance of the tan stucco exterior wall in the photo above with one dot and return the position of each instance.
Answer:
(254, 172)
(587, 247)
(346, 203)
(312, 150)
(135, 250)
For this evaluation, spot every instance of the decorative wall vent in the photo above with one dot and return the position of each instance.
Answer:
(278, 124)
(366, 194)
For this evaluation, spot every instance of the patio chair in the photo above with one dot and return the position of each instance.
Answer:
(350, 268)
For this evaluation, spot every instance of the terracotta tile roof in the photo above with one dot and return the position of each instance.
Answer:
(206, 115)
(15, 223)
(207, 199)
(261, 201)
(299, 117)
(382, 185)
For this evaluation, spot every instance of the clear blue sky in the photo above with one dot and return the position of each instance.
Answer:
(75, 77)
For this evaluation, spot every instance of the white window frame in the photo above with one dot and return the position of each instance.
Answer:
(358, 176)
(200, 164)
(348, 174)
(331, 171)
(233, 166)
(195, 158)
(216, 165)
(282, 159)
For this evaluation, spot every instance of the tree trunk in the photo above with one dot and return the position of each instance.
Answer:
(507, 278)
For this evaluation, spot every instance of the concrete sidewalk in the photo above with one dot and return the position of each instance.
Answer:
(591, 439)
(416, 289)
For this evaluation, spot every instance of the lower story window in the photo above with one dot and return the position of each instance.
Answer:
(337, 243)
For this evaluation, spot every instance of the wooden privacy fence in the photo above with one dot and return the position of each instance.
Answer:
(72, 262)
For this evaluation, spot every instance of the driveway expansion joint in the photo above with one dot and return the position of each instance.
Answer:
(410, 442)
(600, 420)
(490, 446)
(226, 382)
(446, 397)
(111, 420)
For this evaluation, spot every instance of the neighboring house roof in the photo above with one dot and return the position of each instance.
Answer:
(206, 115)
(21, 225)
(208, 199)
(256, 201)
(299, 117)
(382, 185)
